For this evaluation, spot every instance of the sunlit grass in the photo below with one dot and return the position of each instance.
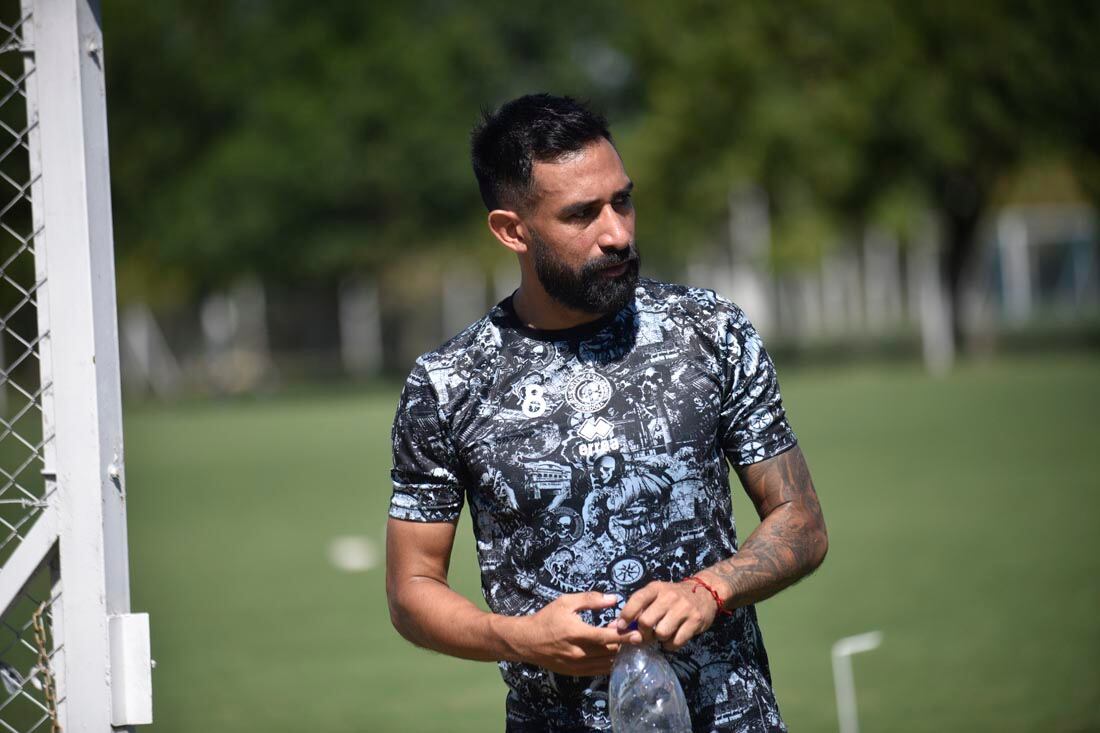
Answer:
(962, 516)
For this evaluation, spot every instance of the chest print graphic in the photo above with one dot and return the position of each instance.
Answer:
(588, 392)
(598, 433)
(533, 403)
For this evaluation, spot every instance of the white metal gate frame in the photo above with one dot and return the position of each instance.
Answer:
(100, 656)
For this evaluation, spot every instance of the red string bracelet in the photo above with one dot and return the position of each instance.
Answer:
(699, 582)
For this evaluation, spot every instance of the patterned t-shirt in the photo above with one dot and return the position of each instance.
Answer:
(595, 459)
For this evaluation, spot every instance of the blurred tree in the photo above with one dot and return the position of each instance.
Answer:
(303, 141)
(843, 111)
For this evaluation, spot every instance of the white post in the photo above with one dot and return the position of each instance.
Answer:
(77, 244)
(360, 327)
(846, 712)
(52, 513)
(808, 287)
(750, 234)
(842, 301)
(1012, 241)
(250, 302)
(234, 323)
(786, 305)
(881, 280)
(934, 309)
(151, 359)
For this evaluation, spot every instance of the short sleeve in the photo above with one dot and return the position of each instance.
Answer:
(753, 424)
(426, 485)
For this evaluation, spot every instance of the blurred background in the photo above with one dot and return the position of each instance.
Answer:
(902, 196)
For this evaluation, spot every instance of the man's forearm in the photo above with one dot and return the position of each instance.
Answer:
(791, 540)
(789, 544)
(430, 614)
(426, 611)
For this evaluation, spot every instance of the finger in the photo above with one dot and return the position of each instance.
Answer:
(637, 603)
(680, 624)
(684, 634)
(648, 637)
(592, 636)
(597, 663)
(668, 626)
(592, 600)
(578, 631)
(652, 616)
(600, 652)
(594, 646)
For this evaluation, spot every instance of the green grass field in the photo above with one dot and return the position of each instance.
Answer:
(963, 516)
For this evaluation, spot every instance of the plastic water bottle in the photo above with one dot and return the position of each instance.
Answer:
(645, 695)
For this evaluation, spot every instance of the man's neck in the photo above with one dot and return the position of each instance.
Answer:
(536, 309)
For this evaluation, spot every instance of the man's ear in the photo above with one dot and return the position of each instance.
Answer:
(509, 229)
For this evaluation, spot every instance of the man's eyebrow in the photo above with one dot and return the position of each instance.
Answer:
(582, 205)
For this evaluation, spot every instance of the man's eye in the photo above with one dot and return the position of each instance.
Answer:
(623, 204)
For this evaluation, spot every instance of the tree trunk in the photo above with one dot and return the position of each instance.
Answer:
(964, 201)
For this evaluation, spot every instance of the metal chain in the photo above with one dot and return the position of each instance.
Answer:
(44, 667)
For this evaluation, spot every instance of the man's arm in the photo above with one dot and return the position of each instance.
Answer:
(789, 544)
(426, 611)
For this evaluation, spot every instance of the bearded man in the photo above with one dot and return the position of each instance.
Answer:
(586, 361)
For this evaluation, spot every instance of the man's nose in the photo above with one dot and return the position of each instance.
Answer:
(617, 230)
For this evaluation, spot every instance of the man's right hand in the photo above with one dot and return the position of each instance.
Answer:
(557, 638)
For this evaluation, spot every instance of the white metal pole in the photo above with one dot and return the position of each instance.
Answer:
(77, 238)
(1012, 241)
(933, 301)
(360, 327)
(45, 356)
(843, 650)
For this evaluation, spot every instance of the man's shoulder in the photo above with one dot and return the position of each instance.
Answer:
(685, 301)
(481, 334)
(464, 354)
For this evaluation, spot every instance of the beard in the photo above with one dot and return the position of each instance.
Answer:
(586, 289)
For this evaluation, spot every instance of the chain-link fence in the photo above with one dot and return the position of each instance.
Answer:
(29, 701)
(28, 691)
(22, 445)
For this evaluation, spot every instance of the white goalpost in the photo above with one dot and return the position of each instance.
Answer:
(72, 656)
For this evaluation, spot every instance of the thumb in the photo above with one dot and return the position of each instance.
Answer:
(591, 600)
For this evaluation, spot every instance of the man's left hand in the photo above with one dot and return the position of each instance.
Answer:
(669, 612)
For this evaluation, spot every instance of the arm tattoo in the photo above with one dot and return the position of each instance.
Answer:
(790, 542)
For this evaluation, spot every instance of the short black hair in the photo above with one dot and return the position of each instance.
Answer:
(506, 143)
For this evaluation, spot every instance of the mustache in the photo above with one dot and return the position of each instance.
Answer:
(612, 259)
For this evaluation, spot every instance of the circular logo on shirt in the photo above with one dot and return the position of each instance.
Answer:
(588, 392)
(567, 525)
(760, 420)
(627, 571)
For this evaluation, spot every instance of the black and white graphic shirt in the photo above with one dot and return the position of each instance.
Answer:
(595, 459)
